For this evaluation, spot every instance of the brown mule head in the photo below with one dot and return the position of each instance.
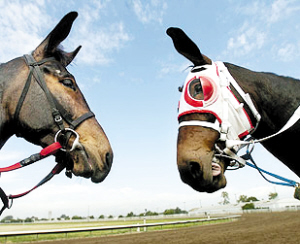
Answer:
(196, 144)
(92, 158)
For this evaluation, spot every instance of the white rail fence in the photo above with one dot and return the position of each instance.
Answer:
(36, 233)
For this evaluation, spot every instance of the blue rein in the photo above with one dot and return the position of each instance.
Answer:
(285, 181)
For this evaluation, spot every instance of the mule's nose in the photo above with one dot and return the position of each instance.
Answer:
(108, 159)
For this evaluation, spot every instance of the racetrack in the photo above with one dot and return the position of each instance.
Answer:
(283, 228)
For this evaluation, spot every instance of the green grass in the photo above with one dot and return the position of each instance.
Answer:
(63, 225)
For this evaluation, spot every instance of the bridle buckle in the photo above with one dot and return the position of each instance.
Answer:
(57, 118)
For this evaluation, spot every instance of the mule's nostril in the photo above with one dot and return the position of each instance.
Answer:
(195, 170)
(108, 159)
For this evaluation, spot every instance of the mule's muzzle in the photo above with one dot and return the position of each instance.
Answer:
(203, 178)
(80, 162)
(87, 165)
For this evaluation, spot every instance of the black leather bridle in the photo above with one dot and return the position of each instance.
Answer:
(59, 114)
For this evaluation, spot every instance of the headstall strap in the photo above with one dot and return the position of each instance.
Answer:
(35, 69)
(62, 136)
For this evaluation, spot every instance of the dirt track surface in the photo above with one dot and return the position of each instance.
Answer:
(268, 228)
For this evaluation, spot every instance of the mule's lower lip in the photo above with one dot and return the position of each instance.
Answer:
(216, 169)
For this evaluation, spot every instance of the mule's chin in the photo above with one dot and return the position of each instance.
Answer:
(217, 183)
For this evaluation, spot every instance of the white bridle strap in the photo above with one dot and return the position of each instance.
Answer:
(295, 117)
(214, 126)
(246, 97)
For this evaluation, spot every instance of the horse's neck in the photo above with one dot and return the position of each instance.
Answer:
(3, 119)
(276, 98)
(6, 127)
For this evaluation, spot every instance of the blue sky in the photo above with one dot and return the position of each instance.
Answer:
(129, 73)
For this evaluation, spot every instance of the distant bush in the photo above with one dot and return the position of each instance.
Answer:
(248, 206)
(244, 198)
(131, 214)
(76, 217)
(174, 211)
(148, 213)
(28, 220)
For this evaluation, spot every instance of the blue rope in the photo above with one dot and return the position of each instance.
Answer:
(286, 182)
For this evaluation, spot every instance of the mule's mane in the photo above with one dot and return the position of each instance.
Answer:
(280, 76)
(271, 75)
(59, 54)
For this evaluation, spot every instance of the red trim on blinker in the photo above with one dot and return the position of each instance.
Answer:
(242, 135)
(188, 98)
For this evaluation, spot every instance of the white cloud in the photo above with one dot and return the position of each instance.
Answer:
(98, 39)
(276, 10)
(288, 52)
(261, 11)
(98, 43)
(261, 22)
(168, 68)
(25, 24)
(247, 39)
(281, 9)
(152, 11)
(20, 27)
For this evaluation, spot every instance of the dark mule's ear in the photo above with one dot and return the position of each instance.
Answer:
(186, 47)
(68, 57)
(56, 36)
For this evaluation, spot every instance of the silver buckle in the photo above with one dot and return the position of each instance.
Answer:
(76, 142)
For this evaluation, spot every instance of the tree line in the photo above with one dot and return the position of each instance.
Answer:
(249, 204)
(11, 219)
(249, 201)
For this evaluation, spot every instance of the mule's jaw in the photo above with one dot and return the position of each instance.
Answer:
(211, 187)
(202, 179)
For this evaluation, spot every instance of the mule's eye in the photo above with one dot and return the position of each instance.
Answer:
(68, 83)
(198, 88)
(195, 89)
